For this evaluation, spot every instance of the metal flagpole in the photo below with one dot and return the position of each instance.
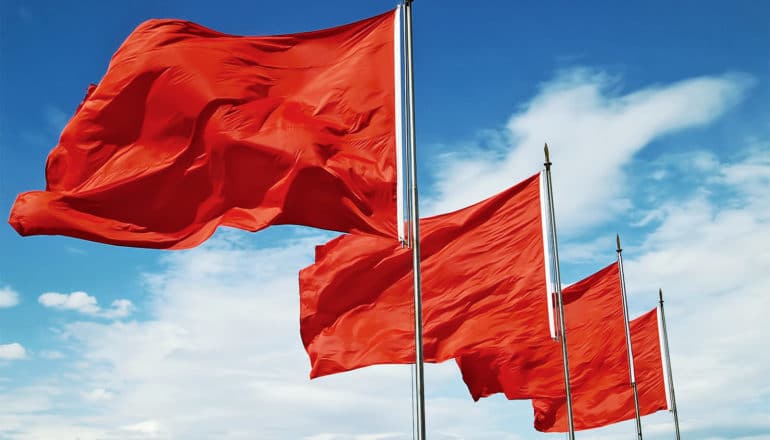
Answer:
(668, 367)
(415, 228)
(562, 325)
(631, 368)
(408, 184)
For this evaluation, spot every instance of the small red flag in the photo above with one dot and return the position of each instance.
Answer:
(595, 405)
(533, 367)
(483, 285)
(191, 129)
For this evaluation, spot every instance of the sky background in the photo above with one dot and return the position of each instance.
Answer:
(658, 118)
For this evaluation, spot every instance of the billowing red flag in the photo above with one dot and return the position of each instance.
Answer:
(595, 406)
(483, 281)
(191, 129)
(533, 367)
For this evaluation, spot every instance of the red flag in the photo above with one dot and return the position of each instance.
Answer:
(483, 286)
(596, 342)
(191, 129)
(594, 406)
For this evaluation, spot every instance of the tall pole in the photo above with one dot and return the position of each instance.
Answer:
(631, 368)
(672, 396)
(562, 325)
(419, 382)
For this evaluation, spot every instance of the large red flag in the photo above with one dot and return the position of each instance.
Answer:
(597, 406)
(192, 128)
(596, 343)
(483, 285)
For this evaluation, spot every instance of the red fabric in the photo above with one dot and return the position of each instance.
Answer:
(191, 129)
(596, 342)
(595, 406)
(483, 286)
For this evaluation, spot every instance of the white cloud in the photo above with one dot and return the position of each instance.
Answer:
(12, 351)
(8, 297)
(28, 400)
(98, 395)
(148, 428)
(85, 303)
(120, 308)
(593, 132)
(80, 301)
(51, 354)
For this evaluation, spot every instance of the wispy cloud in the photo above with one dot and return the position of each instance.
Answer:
(98, 395)
(593, 131)
(86, 304)
(51, 354)
(8, 297)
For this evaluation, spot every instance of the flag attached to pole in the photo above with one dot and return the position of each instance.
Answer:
(595, 406)
(191, 129)
(483, 286)
(533, 367)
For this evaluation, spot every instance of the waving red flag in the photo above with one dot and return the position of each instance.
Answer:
(595, 406)
(483, 285)
(596, 343)
(191, 129)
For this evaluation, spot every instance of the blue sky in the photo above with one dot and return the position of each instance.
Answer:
(658, 117)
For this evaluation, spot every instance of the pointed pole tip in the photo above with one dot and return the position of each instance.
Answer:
(547, 153)
(617, 240)
(660, 294)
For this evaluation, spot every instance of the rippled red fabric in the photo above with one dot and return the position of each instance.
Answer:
(483, 281)
(596, 405)
(596, 346)
(191, 129)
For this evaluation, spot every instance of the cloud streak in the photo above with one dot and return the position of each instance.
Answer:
(593, 130)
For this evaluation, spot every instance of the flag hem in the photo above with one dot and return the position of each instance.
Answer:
(547, 255)
(399, 90)
(666, 385)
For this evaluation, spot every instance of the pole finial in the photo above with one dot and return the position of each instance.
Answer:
(547, 154)
(617, 240)
(660, 295)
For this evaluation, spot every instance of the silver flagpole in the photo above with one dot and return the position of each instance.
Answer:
(668, 367)
(407, 181)
(631, 368)
(562, 325)
(419, 382)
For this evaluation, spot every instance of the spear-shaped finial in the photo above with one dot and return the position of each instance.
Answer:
(547, 155)
(660, 295)
(617, 239)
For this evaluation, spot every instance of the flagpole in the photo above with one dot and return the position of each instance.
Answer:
(562, 325)
(631, 368)
(668, 367)
(419, 381)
